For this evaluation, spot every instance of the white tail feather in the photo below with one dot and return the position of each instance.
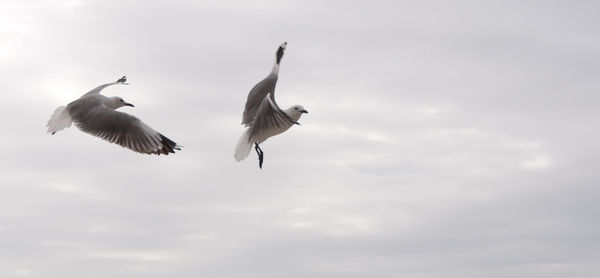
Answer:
(243, 147)
(59, 120)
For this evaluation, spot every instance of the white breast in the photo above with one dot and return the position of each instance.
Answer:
(264, 135)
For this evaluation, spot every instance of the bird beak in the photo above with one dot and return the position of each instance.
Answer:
(304, 111)
(129, 104)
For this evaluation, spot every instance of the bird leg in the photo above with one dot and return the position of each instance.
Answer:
(260, 155)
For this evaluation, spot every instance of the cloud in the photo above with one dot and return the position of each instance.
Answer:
(143, 256)
(539, 162)
(443, 140)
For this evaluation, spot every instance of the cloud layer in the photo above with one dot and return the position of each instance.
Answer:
(443, 140)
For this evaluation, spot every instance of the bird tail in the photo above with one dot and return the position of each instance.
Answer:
(243, 146)
(59, 120)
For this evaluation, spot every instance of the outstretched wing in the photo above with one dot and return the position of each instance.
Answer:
(269, 116)
(99, 88)
(256, 97)
(123, 129)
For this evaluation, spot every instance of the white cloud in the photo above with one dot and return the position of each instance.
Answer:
(22, 272)
(429, 140)
(143, 256)
(537, 163)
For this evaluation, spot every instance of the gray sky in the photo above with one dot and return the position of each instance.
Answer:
(443, 140)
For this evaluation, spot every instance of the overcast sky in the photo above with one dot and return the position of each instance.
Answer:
(444, 139)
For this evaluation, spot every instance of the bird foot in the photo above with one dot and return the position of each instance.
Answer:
(260, 155)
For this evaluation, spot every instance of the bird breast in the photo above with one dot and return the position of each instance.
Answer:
(266, 134)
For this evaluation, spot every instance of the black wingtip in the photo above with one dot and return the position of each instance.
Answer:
(122, 79)
(280, 51)
(168, 146)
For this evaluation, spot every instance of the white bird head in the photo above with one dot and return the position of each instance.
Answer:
(296, 111)
(116, 102)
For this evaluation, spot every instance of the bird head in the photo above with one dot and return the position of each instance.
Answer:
(296, 111)
(116, 102)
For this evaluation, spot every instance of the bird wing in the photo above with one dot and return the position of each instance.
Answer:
(268, 116)
(123, 129)
(256, 97)
(98, 89)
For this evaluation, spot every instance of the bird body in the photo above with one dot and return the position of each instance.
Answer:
(248, 138)
(95, 114)
(262, 116)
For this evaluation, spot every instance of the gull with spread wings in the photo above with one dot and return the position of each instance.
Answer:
(95, 114)
(262, 116)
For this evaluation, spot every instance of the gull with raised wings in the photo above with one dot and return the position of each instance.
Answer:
(262, 116)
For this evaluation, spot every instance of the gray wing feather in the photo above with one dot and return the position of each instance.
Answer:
(256, 97)
(99, 88)
(268, 116)
(123, 129)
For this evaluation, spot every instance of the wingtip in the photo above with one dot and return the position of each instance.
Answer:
(168, 146)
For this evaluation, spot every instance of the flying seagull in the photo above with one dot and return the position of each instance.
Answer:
(262, 116)
(95, 114)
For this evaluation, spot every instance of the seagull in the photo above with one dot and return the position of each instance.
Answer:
(95, 114)
(262, 116)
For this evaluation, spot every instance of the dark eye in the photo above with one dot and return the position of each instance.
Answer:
(121, 100)
(295, 108)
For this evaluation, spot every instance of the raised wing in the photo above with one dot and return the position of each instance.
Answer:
(123, 129)
(269, 116)
(256, 97)
(99, 88)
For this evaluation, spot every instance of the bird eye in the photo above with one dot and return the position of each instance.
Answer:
(295, 108)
